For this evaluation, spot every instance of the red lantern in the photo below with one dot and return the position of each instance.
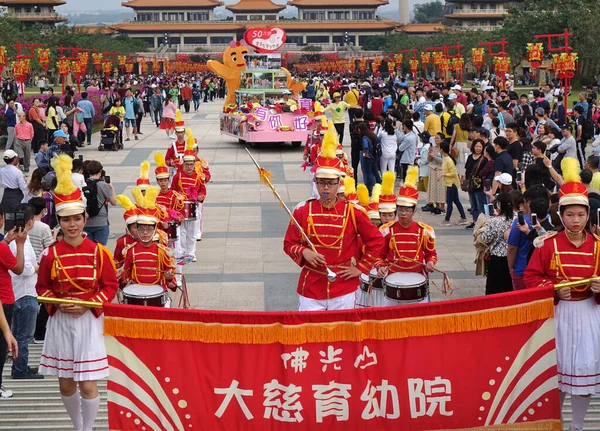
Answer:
(2, 59)
(129, 67)
(97, 60)
(535, 54)
(121, 60)
(478, 56)
(43, 58)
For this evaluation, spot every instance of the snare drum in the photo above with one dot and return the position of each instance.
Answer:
(405, 288)
(189, 210)
(172, 232)
(138, 294)
(363, 297)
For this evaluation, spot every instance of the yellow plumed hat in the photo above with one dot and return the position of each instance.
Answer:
(387, 199)
(363, 195)
(350, 190)
(179, 123)
(328, 165)
(161, 171)
(68, 198)
(143, 182)
(130, 215)
(409, 195)
(573, 191)
(373, 206)
(189, 153)
(147, 211)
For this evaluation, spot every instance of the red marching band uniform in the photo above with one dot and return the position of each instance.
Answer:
(74, 348)
(146, 263)
(577, 319)
(175, 151)
(335, 233)
(415, 244)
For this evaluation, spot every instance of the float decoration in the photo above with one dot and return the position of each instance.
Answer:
(261, 104)
(265, 39)
(234, 62)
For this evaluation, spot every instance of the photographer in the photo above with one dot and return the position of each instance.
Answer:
(25, 308)
(9, 262)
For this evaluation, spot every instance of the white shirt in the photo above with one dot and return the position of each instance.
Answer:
(78, 180)
(11, 177)
(24, 284)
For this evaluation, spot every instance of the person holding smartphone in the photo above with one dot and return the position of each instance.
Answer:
(14, 263)
(498, 277)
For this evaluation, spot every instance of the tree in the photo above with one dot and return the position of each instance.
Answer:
(429, 12)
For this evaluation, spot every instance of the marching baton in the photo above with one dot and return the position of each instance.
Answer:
(575, 283)
(88, 304)
(264, 176)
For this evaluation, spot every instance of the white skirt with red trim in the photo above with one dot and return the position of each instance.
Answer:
(74, 347)
(578, 346)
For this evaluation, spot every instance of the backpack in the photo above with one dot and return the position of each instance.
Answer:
(377, 150)
(90, 191)
(452, 121)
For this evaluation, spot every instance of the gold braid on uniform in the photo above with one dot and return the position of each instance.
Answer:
(560, 269)
(394, 245)
(314, 231)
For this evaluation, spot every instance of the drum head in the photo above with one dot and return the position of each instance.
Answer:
(364, 278)
(373, 273)
(405, 279)
(141, 291)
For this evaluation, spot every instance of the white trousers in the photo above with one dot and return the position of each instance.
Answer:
(187, 237)
(344, 302)
(388, 162)
(199, 209)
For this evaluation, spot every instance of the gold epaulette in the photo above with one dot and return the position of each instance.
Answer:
(167, 250)
(428, 229)
(596, 236)
(360, 208)
(539, 241)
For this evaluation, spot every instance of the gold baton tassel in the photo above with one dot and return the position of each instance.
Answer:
(265, 179)
(88, 304)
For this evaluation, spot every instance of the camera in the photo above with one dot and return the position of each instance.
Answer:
(13, 220)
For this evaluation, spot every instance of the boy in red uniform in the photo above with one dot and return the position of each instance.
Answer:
(75, 268)
(191, 185)
(175, 151)
(168, 199)
(406, 238)
(148, 263)
(334, 227)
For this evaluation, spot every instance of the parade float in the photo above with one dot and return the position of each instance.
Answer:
(263, 101)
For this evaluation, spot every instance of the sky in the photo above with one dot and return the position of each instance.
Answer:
(84, 5)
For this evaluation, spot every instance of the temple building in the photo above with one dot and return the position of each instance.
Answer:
(477, 15)
(31, 12)
(190, 24)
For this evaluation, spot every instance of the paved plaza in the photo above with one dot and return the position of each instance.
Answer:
(241, 264)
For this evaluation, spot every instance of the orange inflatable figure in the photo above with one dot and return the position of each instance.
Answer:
(234, 62)
(294, 86)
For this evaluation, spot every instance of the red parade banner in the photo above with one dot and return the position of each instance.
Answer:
(485, 363)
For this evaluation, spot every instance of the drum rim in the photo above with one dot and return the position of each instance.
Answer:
(154, 295)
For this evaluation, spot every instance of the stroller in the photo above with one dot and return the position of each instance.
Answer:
(111, 135)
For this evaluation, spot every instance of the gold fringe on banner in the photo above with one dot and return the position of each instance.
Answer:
(543, 425)
(390, 329)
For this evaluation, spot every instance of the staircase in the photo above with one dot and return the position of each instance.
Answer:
(36, 404)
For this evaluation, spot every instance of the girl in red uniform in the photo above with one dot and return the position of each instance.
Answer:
(572, 254)
(75, 268)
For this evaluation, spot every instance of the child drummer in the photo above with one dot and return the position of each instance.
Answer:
(147, 262)
(79, 269)
(409, 245)
(171, 201)
(191, 184)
